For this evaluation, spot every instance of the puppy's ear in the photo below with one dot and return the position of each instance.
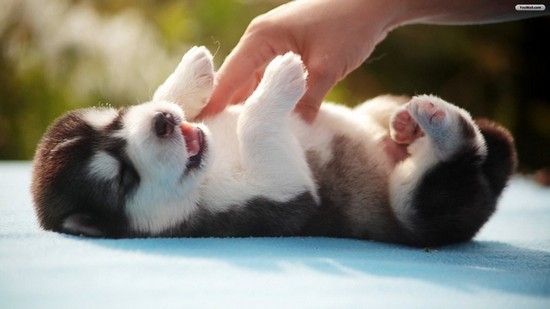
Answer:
(81, 224)
(190, 85)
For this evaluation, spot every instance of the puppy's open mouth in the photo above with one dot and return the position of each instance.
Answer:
(195, 144)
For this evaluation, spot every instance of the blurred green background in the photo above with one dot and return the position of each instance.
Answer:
(58, 55)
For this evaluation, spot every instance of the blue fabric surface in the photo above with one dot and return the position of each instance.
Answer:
(507, 265)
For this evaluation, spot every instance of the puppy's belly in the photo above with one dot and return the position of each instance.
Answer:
(230, 181)
(353, 187)
(351, 157)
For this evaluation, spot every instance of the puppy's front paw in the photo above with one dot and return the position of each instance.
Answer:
(284, 80)
(403, 128)
(190, 85)
(198, 61)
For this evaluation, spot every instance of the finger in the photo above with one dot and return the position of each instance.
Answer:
(221, 96)
(244, 92)
(225, 87)
(216, 104)
(319, 84)
(236, 79)
(244, 67)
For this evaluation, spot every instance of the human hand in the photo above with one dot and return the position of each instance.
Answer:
(332, 37)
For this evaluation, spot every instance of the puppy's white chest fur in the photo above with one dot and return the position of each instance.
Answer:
(229, 182)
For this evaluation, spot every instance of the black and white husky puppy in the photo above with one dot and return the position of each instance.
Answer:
(414, 171)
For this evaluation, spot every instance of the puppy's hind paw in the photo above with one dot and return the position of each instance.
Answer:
(403, 128)
(448, 127)
(431, 113)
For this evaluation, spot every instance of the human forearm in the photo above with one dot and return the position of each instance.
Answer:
(460, 12)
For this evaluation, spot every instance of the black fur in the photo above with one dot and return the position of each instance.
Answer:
(257, 217)
(456, 197)
(60, 190)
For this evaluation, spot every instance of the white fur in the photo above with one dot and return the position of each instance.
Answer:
(103, 166)
(99, 117)
(254, 153)
(258, 149)
(161, 164)
(191, 83)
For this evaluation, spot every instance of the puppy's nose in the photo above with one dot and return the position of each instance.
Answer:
(164, 124)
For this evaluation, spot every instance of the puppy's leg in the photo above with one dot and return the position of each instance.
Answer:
(271, 155)
(449, 129)
(190, 85)
(439, 192)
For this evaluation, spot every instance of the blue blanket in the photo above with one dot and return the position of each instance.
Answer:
(507, 265)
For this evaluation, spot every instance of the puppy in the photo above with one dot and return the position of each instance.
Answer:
(416, 171)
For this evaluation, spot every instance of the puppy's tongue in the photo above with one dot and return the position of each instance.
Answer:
(192, 137)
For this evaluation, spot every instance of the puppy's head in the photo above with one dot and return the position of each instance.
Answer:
(126, 172)
(119, 173)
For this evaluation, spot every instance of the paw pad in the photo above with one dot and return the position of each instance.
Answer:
(433, 113)
(403, 128)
